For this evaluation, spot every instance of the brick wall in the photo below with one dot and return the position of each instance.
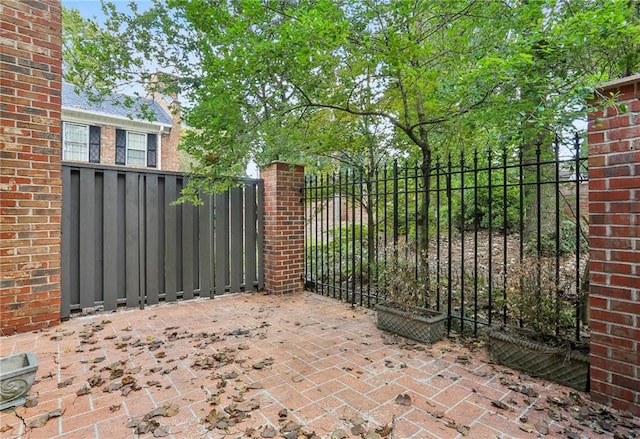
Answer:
(283, 228)
(30, 150)
(614, 231)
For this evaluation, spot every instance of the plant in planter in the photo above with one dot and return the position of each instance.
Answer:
(406, 309)
(540, 344)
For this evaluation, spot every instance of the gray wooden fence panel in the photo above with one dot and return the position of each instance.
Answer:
(110, 234)
(132, 246)
(221, 241)
(236, 260)
(126, 242)
(170, 239)
(250, 237)
(152, 232)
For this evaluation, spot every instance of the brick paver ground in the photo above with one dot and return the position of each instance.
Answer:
(255, 365)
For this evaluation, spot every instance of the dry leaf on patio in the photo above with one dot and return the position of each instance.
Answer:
(499, 404)
(95, 380)
(527, 427)
(385, 430)
(42, 420)
(463, 430)
(160, 432)
(65, 383)
(542, 427)
(6, 428)
(297, 378)
(115, 407)
(31, 402)
(403, 399)
(84, 390)
(268, 432)
(167, 410)
(358, 430)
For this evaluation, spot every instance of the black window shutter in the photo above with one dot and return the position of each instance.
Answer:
(152, 142)
(121, 147)
(94, 144)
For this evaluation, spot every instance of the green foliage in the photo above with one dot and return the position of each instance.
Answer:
(404, 280)
(564, 245)
(485, 205)
(306, 81)
(539, 297)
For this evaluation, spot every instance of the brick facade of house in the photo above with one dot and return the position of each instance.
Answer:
(30, 150)
(614, 238)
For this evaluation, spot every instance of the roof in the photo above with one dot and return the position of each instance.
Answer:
(620, 82)
(73, 97)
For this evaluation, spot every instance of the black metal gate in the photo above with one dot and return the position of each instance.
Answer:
(126, 242)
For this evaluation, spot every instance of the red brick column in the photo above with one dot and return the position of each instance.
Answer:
(30, 177)
(614, 238)
(283, 227)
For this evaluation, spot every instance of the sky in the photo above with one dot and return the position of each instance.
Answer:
(93, 8)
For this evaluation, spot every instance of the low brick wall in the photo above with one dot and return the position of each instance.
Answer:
(614, 238)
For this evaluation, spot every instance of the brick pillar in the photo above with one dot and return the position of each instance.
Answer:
(30, 175)
(283, 227)
(614, 239)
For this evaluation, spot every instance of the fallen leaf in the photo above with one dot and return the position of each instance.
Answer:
(115, 407)
(463, 430)
(403, 399)
(65, 383)
(499, 404)
(160, 432)
(268, 432)
(6, 428)
(358, 430)
(84, 390)
(31, 402)
(297, 378)
(40, 422)
(542, 427)
(527, 427)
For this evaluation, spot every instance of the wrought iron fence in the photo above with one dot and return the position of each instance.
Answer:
(477, 229)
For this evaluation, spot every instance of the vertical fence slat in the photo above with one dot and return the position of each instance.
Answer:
(110, 233)
(152, 232)
(87, 235)
(188, 246)
(236, 241)
(132, 247)
(250, 236)
(170, 240)
(222, 242)
(204, 246)
(65, 246)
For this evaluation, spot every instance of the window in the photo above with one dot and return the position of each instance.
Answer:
(76, 142)
(80, 142)
(136, 149)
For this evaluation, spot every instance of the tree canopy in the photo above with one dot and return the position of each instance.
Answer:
(301, 79)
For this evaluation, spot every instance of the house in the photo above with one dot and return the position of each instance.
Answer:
(144, 133)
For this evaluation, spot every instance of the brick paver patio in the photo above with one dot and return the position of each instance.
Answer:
(255, 365)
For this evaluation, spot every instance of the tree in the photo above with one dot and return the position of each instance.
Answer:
(262, 77)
